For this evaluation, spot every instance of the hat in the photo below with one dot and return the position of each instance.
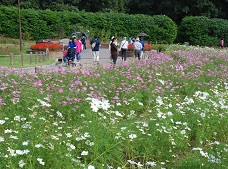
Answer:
(124, 38)
(137, 39)
(112, 37)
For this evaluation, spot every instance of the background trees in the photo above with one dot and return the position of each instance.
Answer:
(175, 9)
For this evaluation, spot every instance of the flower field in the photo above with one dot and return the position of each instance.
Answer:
(167, 111)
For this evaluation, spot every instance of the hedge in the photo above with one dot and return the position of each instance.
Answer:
(42, 24)
(200, 30)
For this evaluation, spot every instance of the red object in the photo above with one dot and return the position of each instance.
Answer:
(44, 46)
(147, 47)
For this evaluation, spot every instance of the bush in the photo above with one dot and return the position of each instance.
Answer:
(200, 30)
(41, 24)
(160, 47)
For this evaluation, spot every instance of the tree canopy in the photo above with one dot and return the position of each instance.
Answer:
(175, 9)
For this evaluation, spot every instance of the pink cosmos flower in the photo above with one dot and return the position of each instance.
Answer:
(38, 83)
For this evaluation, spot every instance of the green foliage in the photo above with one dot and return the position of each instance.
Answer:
(37, 24)
(202, 31)
(159, 47)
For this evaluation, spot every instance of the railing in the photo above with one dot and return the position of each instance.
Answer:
(40, 56)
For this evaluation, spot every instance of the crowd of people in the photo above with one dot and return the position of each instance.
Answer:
(72, 52)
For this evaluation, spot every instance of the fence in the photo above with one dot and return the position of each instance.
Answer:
(38, 56)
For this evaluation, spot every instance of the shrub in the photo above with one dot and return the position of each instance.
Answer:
(45, 45)
(41, 24)
(160, 47)
(200, 30)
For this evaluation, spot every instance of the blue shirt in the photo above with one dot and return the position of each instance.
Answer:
(71, 45)
(96, 48)
(142, 45)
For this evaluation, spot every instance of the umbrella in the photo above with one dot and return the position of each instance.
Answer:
(141, 35)
(75, 33)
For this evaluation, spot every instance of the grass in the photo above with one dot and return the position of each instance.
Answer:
(12, 46)
(17, 61)
(154, 113)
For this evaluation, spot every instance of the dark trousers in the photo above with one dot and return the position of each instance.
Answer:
(124, 54)
(138, 54)
(114, 60)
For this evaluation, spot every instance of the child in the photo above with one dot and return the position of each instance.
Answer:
(65, 54)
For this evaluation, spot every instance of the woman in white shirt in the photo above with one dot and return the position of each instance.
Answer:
(124, 47)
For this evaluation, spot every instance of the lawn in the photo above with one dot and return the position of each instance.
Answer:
(167, 111)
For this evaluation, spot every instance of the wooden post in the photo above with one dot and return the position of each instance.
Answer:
(47, 53)
(40, 57)
(22, 59)
(36, 69)
(36, 57)
(30, 58)
(43, 54)
(11, 59)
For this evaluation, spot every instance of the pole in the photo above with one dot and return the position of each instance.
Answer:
(19, 20)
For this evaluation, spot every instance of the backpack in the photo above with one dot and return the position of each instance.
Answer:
(93, 45)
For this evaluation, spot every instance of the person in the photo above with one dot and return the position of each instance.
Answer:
(124, 47)
(83, 40)
(114, 50)
(78, 49)
(143, 44)
(73, 35)
(71, 43)
(65, 54)
(130, 41)
(71, 51)
(109, 45)
(137, 48)
(95, 50)
(221, 43)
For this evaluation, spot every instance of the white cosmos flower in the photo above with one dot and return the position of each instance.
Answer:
(95, 104)
(132, 136)
(40, 160)
(91, 167)
(2, 139)
(2, 122)
(43, 103)
(68, 135)
(84, 153)
(105, 105)
(202, 115)
(17, 118)
(149, 163)
(159, 100)
(21, 163)
(8, 131)
(140, 103)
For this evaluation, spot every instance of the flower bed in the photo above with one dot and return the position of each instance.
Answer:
(44, 45)
(147, 47)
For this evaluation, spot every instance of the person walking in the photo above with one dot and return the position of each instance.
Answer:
(83, 40)
(78, 50)
(143, 44)
(114, 50)
(124, 47)
(137, 48)
(95, 45)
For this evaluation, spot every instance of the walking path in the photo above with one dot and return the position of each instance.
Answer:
(85, 63)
